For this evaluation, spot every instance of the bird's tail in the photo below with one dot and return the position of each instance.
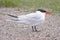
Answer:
(12, 16)
(9, 15)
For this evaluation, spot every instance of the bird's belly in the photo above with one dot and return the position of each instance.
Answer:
(35, 22)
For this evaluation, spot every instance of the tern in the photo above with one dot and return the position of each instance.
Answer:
(33, 19)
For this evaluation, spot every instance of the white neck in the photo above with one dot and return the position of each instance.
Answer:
(38, 12)
(41, 14)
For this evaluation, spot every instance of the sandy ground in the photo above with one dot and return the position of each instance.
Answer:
(50, 30)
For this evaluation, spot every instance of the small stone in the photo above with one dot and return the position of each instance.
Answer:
(55, 39)
(48, 35)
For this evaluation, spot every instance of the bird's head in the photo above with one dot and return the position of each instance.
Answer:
(43, 11)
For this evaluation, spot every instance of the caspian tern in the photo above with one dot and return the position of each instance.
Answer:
(33, 18)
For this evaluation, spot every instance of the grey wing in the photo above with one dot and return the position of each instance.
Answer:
(33, 19)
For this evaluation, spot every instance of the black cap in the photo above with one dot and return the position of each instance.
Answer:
(41, 10)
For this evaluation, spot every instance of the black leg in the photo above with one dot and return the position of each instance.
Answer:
(32, 28)
(35, 28)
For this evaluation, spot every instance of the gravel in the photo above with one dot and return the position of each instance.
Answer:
(50, 30)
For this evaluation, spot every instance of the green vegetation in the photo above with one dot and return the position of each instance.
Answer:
(27, 4)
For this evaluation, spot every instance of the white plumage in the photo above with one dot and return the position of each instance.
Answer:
(32, 19)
